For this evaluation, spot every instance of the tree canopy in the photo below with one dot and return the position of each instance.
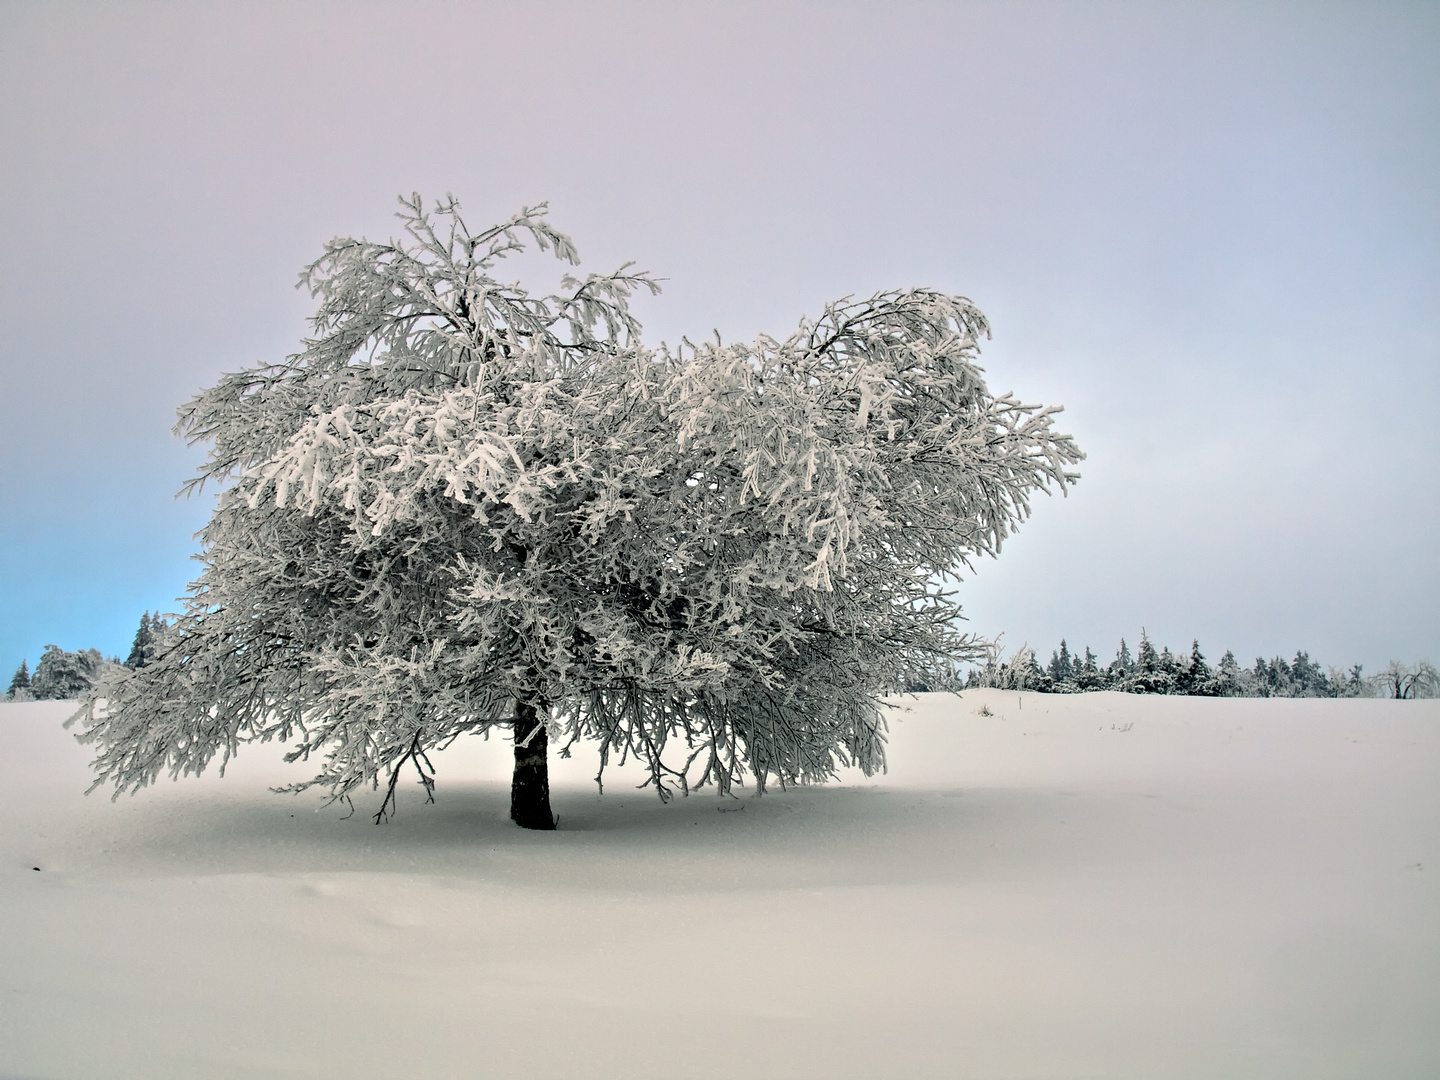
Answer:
(463, 505)
(61, 674)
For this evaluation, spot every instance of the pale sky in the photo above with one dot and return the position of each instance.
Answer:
(1211, 232)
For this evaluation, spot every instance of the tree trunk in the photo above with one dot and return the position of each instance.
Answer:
(530, 788)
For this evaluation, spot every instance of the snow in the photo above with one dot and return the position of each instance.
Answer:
(1087, 886)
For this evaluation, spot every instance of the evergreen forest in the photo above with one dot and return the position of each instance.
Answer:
(1152, 671)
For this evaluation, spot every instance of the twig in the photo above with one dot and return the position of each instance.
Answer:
(416, 754)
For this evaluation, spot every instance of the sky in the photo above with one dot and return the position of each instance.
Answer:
(1211, 232)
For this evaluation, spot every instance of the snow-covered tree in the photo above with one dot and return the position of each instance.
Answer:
(143, 647)
(1090, 676)
(462, 505)
(60, 674)
(1352, 683)
(1021, 672)
(1121, 667)
(1404, 681)
(1146, 658)
(20, 683)
(1229, 680)
(1196, 678)
(1062, 668)
(1308, 679)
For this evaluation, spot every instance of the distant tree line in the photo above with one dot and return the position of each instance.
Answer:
(1151, 671)
(61, 675)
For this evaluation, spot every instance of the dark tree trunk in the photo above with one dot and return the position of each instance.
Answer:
(530, 788)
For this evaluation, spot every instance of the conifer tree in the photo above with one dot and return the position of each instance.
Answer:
(1121, 667)
(1277, 675)
(61, 675)
(1309, 678)
(1141, 678)
(1036, 677)
(464, 506)
(1061, 665)
(144, 642)
(1260, 678)
(1197, 677)
(21, 679)
(1146, 658)
(1229, 678)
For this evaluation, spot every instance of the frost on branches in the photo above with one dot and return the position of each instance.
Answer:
(461, 506)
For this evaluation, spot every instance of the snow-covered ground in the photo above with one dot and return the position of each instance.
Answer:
(1089, 886)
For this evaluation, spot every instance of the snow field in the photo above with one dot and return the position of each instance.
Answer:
(1088, 886)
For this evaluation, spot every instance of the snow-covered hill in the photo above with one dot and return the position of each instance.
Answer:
(1089, 886)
